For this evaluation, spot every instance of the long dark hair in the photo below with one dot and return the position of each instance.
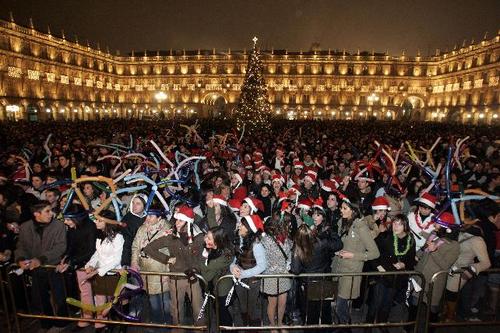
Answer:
(227, 214)
(250, 238)
(77, 214)
(221, 239)
(347, 223)
(304, 243)
(277, 225)
(110, 230)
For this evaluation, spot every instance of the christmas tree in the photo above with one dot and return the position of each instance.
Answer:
(253, 111)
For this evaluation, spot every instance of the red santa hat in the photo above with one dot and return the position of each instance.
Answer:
(298, 165)
(186, 213)
(427, 199)
(257, 154)
(295, 189)
(305, 204)
(278, 178)
(259, 167)
(381, 203)
(234, 204)
(248, 165)
(318, 203)
(446, 220)
(255, 204)
(282, 196)
(240, 193)
(254, 222)
(258, 162)
(328, 186)
(311, 175)
(217, 198)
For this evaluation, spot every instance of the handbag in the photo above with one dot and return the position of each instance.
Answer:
(317, 290)
(105, 285)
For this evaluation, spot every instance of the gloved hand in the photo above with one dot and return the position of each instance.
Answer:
(191, 275)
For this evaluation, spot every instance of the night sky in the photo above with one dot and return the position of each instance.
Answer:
(380, 25)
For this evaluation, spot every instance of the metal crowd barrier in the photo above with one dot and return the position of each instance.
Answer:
(4, 305)
(328, 296)
(176, 282)
(17, 303)
(484, 320)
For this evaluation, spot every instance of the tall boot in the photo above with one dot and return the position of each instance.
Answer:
(449, 312)
(492, 301)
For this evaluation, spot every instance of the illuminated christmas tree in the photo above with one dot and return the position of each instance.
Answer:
(253, 111)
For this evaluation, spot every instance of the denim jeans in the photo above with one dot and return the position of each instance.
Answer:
(160, 308)
(343, 310)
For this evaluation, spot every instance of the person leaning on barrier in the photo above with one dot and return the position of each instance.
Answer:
(250, 261)
(278, 247)
(472, 260)
(438, 254)
(42, 241)
(358, 247)
(219, 214)
(81, 239)
(184, 244)
(107, 257)
(154, 227)
(313, 254)
(218, 254)
(397, 253)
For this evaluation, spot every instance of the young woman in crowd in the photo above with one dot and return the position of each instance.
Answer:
(218, 255)
(80, 246)
(313, 254)
(219, 214)
(358, 247)
(107, 256)
(278, 247)
(250, 260)
(397, 253)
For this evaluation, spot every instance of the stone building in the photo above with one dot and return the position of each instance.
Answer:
(44, 77)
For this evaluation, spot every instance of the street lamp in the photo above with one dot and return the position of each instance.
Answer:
(373, 98)
(160, 96)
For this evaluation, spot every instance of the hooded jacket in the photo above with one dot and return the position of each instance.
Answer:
(133, 222)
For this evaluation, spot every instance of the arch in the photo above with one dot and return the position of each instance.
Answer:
(216, 104)
(411, 107)
(212, 98)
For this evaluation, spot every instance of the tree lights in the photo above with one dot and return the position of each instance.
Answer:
(253, 110)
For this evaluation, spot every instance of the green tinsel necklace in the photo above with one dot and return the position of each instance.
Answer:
(396, 247)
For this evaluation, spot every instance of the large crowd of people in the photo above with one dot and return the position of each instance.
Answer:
(303, 197)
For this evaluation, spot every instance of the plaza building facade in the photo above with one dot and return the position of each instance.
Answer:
(44, 77)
